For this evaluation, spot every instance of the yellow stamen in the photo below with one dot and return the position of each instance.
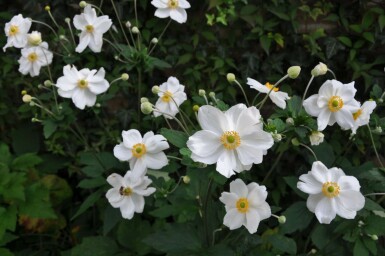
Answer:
(330, 189)
(90, 28)
(82, 84)
(230, 140)
(242, 205)
(357, 114)
(125, 191)
(335, 103)
(138, 150)
(167, 96)
(173, 4)
(13, 30)
(270, 86)
(32, 57)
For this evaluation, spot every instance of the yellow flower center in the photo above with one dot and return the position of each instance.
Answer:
(167, 96)
(173, 4)
(330, 189)
(270, 86)
(138, 150)
(357, 114)
(335, 103)
(13, 30)
(230, 140)
(32, 57)
(125, 191)
(90, 28)
(82, 84)
(242, 205)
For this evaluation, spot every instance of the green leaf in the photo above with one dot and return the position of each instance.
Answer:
(265, 43)
(5, 252)
(325, 153)
(374, 225)
(184, 59)
(92, 183)
(8, 219)
(298, 217)
(5, 155)
(37, 204)
(368, 36)
(95, 246)
(292, 182)
(381, 21)
(49, 127)
(112, 216)
(89, 202)
(176, 138)
(360, 249)
(97, 163)
(367, 20)
(133, 241)
(294, 105)
(283, 244)
(158, 63)
(26, 161)
(345, 40)
(370, 245)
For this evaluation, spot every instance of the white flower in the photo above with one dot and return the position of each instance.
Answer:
(277, 97)
(245, 205)
(33, 58)
(142, 153)
(128, 193)
(334, 103)
(171, 96)
(82, 86)
(316, 138)
(362, 116)
(92, 28)
(234, 139)
(331, 193)
(175, 9)
(16, 30)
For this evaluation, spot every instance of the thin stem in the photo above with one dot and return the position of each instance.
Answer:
(71, 32)
(51, 79)
(334, 75)
(277, 159)
(374, 147)
(164, 30)
(214, 232)
(136, 13)
(45, 24)
(53, 19)
(176, 119)
(272, 88)
(375, 194)
(174, 157)
(243, 91)
(308, 148)
(205, 211)
(139, 95)
(304, 94)
(176, 186)
(255, 98)
(120, 22)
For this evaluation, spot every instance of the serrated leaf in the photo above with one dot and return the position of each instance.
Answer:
(26, 161)
(95, 246)
(133, 241)
(265, 43)
(8, 218)
(89, 202)
(49, 127)
(37, 204)
(176, 138)
(345, 40)
(298, 217)
(283, 244)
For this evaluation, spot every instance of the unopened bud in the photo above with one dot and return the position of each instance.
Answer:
(47, 8)
(27, 98)
(143, 100)
(212, 94)
(316, 138)
(31, 103)
(294, 71)
(128, 24)
(378, 130)
(23, 92)
(34, 38)
(360, 223)
(230, 77)
(186, 179)
(146, 108)
(67, 20)
(290, 121)
(125, 76)
(154, 40)
(282, 219)
(202, 92)
(319, 70)
(62, 37)
(47, 83)
(313, 251)
(195, 108)
(83, 4)
(135, 30)
(34, 120)
(276, 136)
(374, 237)
(98, 105)
(295, 142)
(155, 89)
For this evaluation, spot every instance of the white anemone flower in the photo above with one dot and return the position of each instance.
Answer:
(16, 31)
(142, 153)
(175, 9)
(362, 116)
(334, 103)
(128, 193)
(331, 193)
(92, 28)
(171, 96)
(245, 205)
(277, 97)
(234, 139)
(82, 86)
(33, 58)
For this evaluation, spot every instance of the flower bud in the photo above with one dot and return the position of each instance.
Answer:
(294, 71)
(34, 38)
(98, 105)
(135, 30)
(313, 251)
(186, 179)
(62, 37)
(23, 92)
(276, 136)
(378, 130)
(212, 94)
(143, 100)
(195, 108)
(202, 92)
(282, 219)
(360, 223)
(155, 89)
(83, 4)
(146, 108)
(128, 24)
(230, 77)
(47, 83)
(374, 237)
(125, 76)
(154, 40)
(316, 138)
(295, 142)
(27, 98)
(290, 121)
(47, 8)
(319, 70)
(67, 20)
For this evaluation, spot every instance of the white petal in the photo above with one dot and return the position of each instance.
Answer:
(159, 4)
(128, 208)
(179, 15)
(138, 201)
(204, 143)
(234, 113)
(145, 192)
(239, 188)
(325, 210)
(113, 195)
(252, 220)
(84, 40)
(184, 4)
(208, 159)
(226, 163)
(234, 219)
(162, 13)
(138, 166)
(309, 184)
(131, 137)
(155, 143)
(66, 84)
(156, 161)
(313, 200)
(79, 22)
(115, 180)
(347, 91)
(329, 88)
(323, 119)
(264, 210)
(279, 98)
(335, 173)
(343, 212)
(229, 199)
(122, 153)
(65, 94)
(310, 105)
(319, 171)
(259, 140)
(348, 183)
(352, 200)
(248, 154)
(102, 24)
(212, 119)
(82, 98)
(344, 119)
(257, 85)
(257, 196)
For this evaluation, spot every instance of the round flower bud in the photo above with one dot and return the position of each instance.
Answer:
(146, 108)
(125, 76)
(27, 98)
(195, 108)
(155, 89)
(276, 136)
(154, 40)
(378, 130)
(98, 105)
(282, 219)
(212, 94)
(374, 237)
(34, 38)
(62, 37)
(186, 179)
(135, 30)
(360, 223)
(319, 70)
(128, 24)
(47, 83)
(34, 120)
(295, 142)
(202, 92)
(143, 100)
(83, 4)
(47, 8)
(290, 121)
(316, 138)
(67, 20)
(313, 251)
(23, 92)
(294, 71)
(230, 77)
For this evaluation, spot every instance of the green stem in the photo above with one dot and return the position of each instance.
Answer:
(308, 148)
(304, 94)
(45, 24)
(205, 217)
(374, 147)
(243, 91)
(272, 88)
(164, 30)
(120, 22)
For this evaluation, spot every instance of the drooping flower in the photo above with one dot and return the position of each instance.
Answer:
(234, 139)
(128, 193)
(245, 205)
(277, 97)
(33, 58)
(171, 96)
(175, 9)
(316, 138)
(142, 153)
(331, 193)
(82, 86)
(334, 103)
(362, 115)
(16, 30)
(92, 28)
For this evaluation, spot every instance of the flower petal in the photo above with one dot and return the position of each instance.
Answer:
(324, 119)
(122, 153)
(127, 208)
(138, 201)
(179, 15)
(348, 183)
(319, 171)
(310, 105)
(131, 137)
(212, 119)
(313, 200)
(234, 219)
(254, 84)
(352, 200)
(226, 163)
(115, 180)
(325, 210)
(264, 210)
(344, 119)
(204, 143)
(229, 199)
(239, 188)
(309, 184)
(156, 161)
(257, 196)
(252, 221)
(279, 98)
